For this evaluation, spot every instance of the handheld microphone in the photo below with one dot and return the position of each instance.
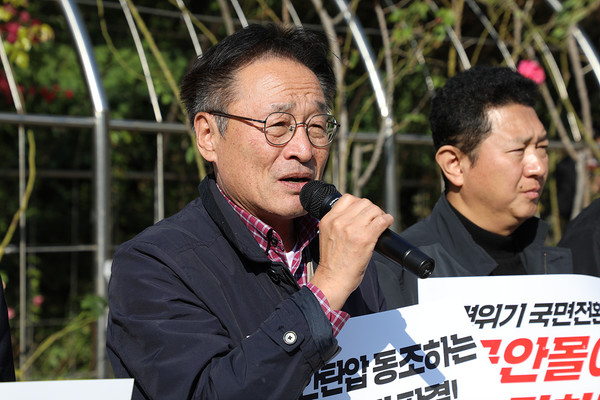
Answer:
(318, 197)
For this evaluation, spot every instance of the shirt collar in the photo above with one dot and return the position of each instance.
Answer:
(306, 227)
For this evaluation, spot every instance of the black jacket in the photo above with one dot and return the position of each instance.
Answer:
(7, 367)
(443, 237)
(582, 236)
(197, 310)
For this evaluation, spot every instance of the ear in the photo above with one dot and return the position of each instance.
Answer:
(206, 130)
(451, 160)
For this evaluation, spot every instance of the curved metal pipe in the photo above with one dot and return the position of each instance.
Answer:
(239, 12)
(190, 27)
(377, 84)
(584, 42)
(86, 55)
(551, 62)
(14, 92)
(560, 85)
(460, 50)
(367, 54)
(101, 166)
(293, 13)
(159, 196)
(493, 33)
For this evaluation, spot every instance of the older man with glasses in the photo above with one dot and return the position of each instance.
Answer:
(241, 294)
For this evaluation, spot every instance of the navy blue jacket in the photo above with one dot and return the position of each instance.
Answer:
(443, 237)
(7, 367)
(197, 310)
(582, 236)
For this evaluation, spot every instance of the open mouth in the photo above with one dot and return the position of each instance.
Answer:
(296, 180)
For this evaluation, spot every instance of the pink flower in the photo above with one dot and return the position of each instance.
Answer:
(11, 313)
(531, 69)
(12, 29)
(38, 300)
(24, 17)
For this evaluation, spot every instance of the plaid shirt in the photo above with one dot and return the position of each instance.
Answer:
(272, 244)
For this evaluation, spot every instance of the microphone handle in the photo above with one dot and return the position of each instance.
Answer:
(391, 245)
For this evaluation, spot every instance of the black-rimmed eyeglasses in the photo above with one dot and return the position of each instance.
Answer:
(279, 127)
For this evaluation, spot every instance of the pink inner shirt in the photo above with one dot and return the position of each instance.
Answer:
(271, 243)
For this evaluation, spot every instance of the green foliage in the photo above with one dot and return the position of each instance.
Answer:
(415, 10)
(416, 21)
(21, 31)
(66, 353)
(53, 82)
(445, 16)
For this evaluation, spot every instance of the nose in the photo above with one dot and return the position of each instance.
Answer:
(536, 164)
(299, 146)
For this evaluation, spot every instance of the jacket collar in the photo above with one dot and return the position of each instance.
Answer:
(228, 221)
(456, 237)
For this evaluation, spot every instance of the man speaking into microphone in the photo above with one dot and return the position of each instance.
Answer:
(240, 294)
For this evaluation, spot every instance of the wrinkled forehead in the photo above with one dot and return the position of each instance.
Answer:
(279, 84)
(291, 106)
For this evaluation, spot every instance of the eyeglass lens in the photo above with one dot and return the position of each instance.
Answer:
(280, 127)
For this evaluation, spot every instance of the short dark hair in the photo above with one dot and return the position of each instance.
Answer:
(458, 115)
(209, 85)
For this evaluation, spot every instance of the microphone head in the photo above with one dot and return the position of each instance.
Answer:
(313, 196)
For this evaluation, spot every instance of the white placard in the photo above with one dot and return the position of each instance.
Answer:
(85, 389)
(560, 287)
(541, 332)
(474, 338)
(434, 341)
